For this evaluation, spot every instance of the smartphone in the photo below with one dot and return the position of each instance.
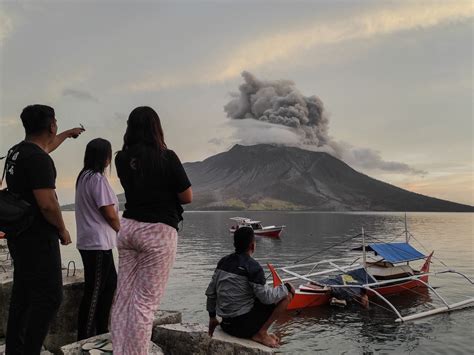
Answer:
(76, 135)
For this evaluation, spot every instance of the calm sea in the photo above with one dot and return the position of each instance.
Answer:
(204, 239)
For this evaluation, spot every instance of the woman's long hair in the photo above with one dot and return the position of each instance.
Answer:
(145, 134)
(98, 154)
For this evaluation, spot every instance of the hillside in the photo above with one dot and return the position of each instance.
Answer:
(270, 177)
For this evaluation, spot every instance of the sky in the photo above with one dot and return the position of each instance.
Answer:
(395, 78)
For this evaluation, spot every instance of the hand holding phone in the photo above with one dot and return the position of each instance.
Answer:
(75, 132)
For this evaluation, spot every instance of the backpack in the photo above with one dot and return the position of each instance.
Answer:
(16, 214)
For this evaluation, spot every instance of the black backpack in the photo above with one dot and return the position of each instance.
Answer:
(16, 214)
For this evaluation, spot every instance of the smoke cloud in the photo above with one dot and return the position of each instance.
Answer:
(286, 116)
(79, 94)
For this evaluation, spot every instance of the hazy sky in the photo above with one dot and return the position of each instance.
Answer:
(396, 78)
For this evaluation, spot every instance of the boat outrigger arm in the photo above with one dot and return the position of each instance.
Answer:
(371, 287)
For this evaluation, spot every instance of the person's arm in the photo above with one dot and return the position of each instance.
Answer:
(49, 208)
(105, 200)
(111, 216)
(181, 181)
(61, 137)
(186, 196)
(265, 293)
(211, 304)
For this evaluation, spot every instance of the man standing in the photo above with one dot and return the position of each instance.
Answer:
(238, 293)
(37, 276)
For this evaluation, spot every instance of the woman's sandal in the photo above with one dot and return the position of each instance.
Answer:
(97, 347)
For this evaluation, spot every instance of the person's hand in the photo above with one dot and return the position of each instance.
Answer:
(290, 288)
(213, 323)
(65, 237)
(75, 132)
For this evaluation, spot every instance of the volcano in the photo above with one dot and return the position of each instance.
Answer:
(272, 177)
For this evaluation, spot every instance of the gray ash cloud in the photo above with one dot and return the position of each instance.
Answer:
(286, 116)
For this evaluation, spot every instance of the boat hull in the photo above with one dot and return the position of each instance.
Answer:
(270, 232)
(309, 299)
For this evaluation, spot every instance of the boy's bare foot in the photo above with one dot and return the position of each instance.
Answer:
(274, 336)
(266, 339)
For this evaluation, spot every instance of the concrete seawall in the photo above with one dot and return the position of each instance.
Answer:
(170, 336)
(63, 330)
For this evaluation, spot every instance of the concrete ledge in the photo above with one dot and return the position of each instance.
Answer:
(75, 348)
(177, 339)
(225, 344)
(6, 282)
(167, 317)
(192, 338)
(63, 329)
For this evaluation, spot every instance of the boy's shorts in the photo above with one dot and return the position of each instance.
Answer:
(248, 324)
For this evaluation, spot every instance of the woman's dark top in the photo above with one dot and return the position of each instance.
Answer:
(152, 196)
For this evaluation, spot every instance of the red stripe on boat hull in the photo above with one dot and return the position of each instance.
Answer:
(271, 234)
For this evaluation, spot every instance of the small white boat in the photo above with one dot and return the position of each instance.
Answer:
(258, 228)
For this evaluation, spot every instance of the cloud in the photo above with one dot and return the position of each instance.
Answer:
(10, 122)
(6, 25)
(369, 159)
(275, 111)
(452, 186)
(288, 43)
(120, 116)
(80, 94)
(374, 23)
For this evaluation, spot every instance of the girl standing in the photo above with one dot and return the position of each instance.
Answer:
(156, 186)
(97, 223)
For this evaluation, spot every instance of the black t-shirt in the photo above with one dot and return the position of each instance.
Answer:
(31, 168)
(152, 197)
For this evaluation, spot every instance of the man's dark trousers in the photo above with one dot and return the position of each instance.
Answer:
(36, 291)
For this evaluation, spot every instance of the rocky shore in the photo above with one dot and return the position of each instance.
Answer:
(170, 334)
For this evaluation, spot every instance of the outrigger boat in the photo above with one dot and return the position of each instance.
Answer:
(387, 275)
(258, 228)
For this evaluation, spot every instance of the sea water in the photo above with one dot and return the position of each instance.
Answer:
(205, 238)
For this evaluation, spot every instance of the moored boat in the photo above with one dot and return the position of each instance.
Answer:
(388, 273)
(258, 228)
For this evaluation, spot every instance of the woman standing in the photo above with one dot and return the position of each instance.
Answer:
(156, 186)
(97, 225)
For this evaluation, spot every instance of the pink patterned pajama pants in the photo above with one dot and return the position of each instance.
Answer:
(146, 255)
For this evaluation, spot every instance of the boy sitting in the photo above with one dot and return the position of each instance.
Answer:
(238, 293)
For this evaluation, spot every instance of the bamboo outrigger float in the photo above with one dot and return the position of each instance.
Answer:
(390, 274)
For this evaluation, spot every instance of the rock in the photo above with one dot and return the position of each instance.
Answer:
(167, 317)
(63, 329)
(6, 282)
(192, 338)
(177, 339)
(75, 348)
(225, 344)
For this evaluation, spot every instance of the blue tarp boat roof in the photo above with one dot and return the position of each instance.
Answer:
(396, 252)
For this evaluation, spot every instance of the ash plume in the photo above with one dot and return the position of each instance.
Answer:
(279, 102)
(275, 111)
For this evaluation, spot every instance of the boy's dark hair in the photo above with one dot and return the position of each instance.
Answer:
(243, 238)
(37, 118)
